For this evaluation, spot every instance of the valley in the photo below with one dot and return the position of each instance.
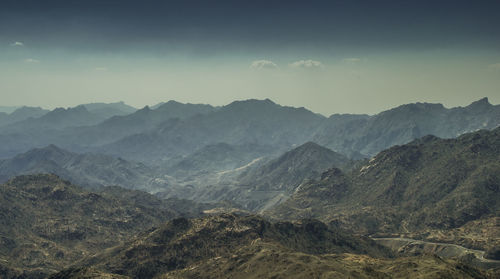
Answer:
(251, 189)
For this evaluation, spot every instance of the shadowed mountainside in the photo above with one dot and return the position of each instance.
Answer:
(46, 223)
(182, 242)
(230, 246)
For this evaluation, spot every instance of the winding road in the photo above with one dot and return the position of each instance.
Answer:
(408, 241)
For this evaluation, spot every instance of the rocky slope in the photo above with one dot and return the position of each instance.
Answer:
(183, 242)
(230, 246)
(46, 223)
(428, 185)
(265, 260)
(286, 172)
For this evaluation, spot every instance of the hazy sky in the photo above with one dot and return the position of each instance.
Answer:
(329, 56)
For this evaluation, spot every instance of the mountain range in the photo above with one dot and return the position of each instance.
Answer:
(251, 189)
(174, 130)
(369, 135)
(28, 118)
(88, 170)
(20, 114)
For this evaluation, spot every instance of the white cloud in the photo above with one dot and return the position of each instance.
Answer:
(495, 66)
(306, 64)
(31, 60)
(17, 44)
(263, 64)
(351, 60)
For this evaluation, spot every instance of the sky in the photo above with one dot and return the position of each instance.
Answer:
(333, 56)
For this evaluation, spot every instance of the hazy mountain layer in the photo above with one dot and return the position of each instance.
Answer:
(107, 110)
(266, 123)
(56, 119)
(241, 122)
(354, 134)
(263, 182)
(174, 130)
(216, 158)
(88, 125)
(21, 114)
(8, 109)
(89, 170)
(141, 121)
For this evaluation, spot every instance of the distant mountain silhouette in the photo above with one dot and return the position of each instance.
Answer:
(242, 122)
(74, 128)
(107, 110)
(8, 109)
(21, 114)
(368, 135)
(175, 130)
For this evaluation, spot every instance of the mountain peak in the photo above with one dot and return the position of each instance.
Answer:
(252, 102)
(269, 101)
(174, 102)
(480, 104)
(59, 111)
(311, 145)
(120, 106)
(310, 148)
(144, 109)
(31, 111)
(415, 107)
(168, 105)
(79, 108)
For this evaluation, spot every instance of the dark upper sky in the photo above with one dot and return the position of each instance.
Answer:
(395, 24)
(330, 56)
